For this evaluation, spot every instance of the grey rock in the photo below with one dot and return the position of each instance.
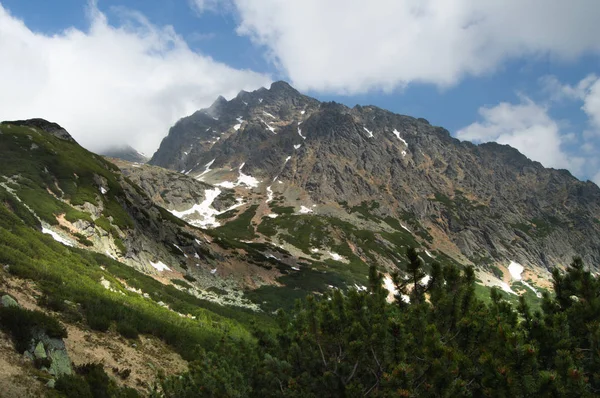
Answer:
(61, 363)
(8, 301)
(40, 352)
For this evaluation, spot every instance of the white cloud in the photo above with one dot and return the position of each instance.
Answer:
(202, 6)
(587, 90)
(527, 127)
(106, 85)
(354, 46)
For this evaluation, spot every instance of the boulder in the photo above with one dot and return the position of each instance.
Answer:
(8, 301)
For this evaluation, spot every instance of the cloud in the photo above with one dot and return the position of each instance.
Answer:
(527, 127)
(110, 85)
(587, 90)
(355, 46)
(202, 6)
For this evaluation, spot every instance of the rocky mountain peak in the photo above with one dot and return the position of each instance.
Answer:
(477, 201)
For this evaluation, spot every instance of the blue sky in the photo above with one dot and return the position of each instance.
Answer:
(517, 72)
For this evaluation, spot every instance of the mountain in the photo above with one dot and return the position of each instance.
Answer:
(363, 182)
(84, 201)
(125, 152)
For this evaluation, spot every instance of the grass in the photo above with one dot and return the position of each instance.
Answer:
(48, 167)
(241, 228)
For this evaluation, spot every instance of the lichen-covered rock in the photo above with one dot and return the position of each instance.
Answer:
(8, 301)
(39, 351)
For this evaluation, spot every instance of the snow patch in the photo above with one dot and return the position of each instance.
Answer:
(368, 132)
(103, 190)
(204, 209)
(269, 194)
(397, 134)
(272, 215)
(240, 121)
(516, 270)
(404, 226)
(297, 146)
(206, 169)
(226, 184)
(388, 284)
(287, 160)
(305, 210)
(300, 133)
(268, 126)
(335, 256)
(302, 112)
(429, 254)
(425, 280)
(57, 237)
(268, 114)
(296, 268)
(160, 266)
(260, 100)
(246, 179)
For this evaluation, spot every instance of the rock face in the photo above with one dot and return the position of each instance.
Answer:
(488, 203)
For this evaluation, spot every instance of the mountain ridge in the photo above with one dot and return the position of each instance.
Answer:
(332, 153)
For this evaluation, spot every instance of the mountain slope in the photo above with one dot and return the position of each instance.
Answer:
(384, 173)
(125, 152)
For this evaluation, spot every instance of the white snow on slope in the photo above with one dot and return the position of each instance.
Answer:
(297, 146)
(246, 179)
(368, 132)
(388, 284)
(269, 194)
(237, 126)
(335, 256)
(404, 226)
(287, 160)
(204, 209)
(226, 184)
(103, 190)
(57, 237)
(516, 270)
(206, 169)
(268, 114)
(300, 133)
(429, 254)
(160, 266)
(397, 134)
(268, 126)
(305, 210)
(425, 280)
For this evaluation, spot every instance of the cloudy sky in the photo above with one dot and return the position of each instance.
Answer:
(519, 72)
